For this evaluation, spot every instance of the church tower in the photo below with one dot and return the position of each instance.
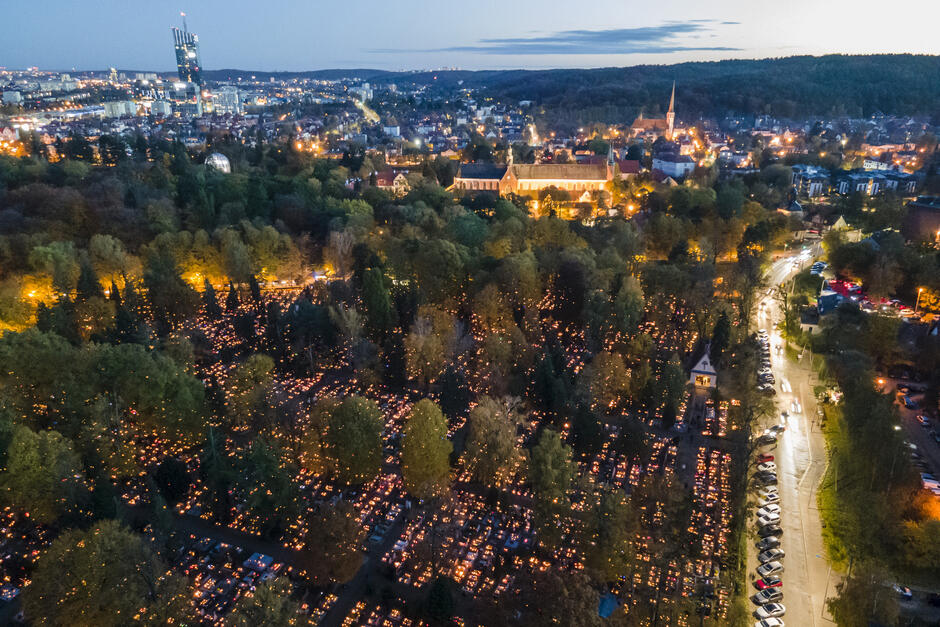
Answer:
(671, 114)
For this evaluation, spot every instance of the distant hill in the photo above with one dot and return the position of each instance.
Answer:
(789, 87)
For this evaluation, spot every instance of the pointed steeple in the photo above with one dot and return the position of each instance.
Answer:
(671, 114)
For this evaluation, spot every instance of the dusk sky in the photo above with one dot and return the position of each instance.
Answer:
(482, 34)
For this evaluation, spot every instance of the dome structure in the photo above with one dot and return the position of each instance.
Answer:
(218, 161)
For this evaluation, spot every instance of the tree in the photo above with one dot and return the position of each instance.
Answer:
(103, 576)
(333, 554)
(429, 344)
(492, 452)
(172, 478)
(455, 393)
(377, 303)
(721, 337)
(551, 471)
(609, 380)
(863, 599)
(250, 389)
(425, 451)
(550, 598)
(270, 605)
(354, 440)
(268, 486)
(210, 300)
(609, 527)
(44, 475)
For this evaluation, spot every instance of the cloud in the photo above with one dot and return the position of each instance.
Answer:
(665, 38)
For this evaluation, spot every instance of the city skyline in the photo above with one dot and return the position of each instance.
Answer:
(371, 35)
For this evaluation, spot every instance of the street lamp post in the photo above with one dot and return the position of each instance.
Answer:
(920, 290)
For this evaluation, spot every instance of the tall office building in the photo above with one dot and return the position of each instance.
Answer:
(187, 54)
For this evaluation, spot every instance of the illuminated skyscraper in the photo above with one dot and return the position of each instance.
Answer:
(187, 54)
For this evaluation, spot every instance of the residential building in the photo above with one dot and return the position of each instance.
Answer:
(810, 181)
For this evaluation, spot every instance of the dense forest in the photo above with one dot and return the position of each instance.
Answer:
(789, 87)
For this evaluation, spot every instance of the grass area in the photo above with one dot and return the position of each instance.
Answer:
(827, 497)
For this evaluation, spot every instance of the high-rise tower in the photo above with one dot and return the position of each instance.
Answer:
(187, 54)
(671, 114)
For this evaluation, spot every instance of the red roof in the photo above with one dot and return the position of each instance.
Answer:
(629, 166)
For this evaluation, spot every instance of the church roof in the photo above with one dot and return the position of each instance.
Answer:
(650, 124)
(704, 365)
(562, 171)
(481, 171)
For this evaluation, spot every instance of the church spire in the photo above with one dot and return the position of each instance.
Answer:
(671, 114)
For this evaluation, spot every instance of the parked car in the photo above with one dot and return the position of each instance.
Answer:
(903, 591)
(767, 467)
(771, 610)
(909, 402)
(770, 595)
(770, 542)
(768, 519)
(767, 478)
(767, 438)
(769, 499)
(769, 622)
(765, 457)
(772, 581)
(923, 420)
(770, 530)
(765, 492)
(770, 568)
(771, 508)
(771, 555)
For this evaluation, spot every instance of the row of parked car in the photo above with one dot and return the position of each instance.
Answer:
(769, 584)
(765, 376)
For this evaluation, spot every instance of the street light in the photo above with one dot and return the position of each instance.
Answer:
(917, 302)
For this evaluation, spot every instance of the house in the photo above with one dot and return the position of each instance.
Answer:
(922, 223)
(393, 181)
(673, 166)
(703, 375)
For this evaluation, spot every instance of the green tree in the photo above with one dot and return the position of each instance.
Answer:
(270, 605)
(425, 451)
(606, 536)
(354, 440)
(334, 555)
(551, 471)
(103, 576)
(864, 598)
(492, 451)
(44, 475)
(609, 380)
(250, 389)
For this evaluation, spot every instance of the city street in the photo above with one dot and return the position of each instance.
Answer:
(800, 456)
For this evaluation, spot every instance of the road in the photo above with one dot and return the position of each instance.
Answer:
(800, 455)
